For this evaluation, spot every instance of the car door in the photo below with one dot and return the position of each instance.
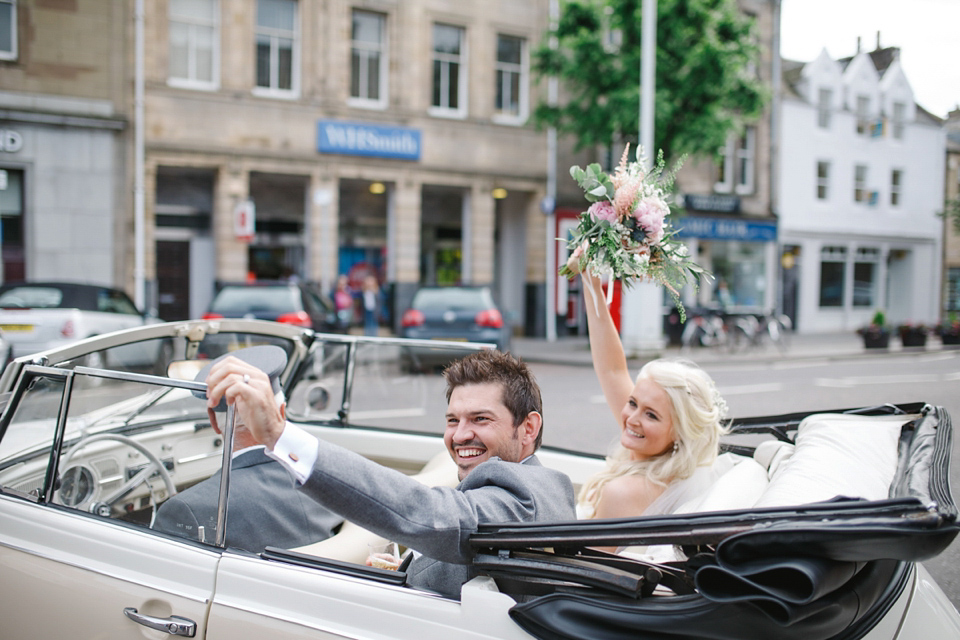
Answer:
(73, 566)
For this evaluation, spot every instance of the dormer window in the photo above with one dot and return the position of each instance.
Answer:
(899, 117)
(823, 108)
(863, 115)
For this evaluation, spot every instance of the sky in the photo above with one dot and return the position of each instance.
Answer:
(927, 32)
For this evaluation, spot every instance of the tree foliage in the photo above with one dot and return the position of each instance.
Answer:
(704, 89)
(952, 212)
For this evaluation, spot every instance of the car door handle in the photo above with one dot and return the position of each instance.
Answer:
(174, 625)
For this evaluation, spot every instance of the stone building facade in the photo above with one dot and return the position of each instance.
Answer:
(65, 100)
(950, 302)
(381, 136)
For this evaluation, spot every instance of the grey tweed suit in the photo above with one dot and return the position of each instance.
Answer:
(264, 508)
(437, 521)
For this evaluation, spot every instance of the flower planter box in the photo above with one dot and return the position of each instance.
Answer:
(950, 338)
(913, 338)
(876, 340)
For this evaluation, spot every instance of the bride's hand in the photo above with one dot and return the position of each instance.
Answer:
(573, 262)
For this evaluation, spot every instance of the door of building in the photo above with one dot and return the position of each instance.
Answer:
(173, 279)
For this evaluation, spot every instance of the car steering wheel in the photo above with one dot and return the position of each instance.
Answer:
(104, 506)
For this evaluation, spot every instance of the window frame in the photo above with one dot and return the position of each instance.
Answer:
(861, 192)
(274, 36)
(13, 53)
(866, 256)
(823, 180)
(725, 167)
(366, 50)
(863, 116)
(446, 60)
(824, 112)
(520, 70)
(193, 24)
(898, 118)
(746, 158)
(896, 187)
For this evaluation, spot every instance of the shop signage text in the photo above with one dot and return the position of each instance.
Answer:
(719, 203)
(10, 141)
(368, 140)
(726, 229)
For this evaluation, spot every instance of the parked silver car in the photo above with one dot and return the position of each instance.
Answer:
(87, 456)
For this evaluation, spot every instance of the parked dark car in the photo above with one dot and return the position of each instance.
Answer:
(456, 313)
(286, 302)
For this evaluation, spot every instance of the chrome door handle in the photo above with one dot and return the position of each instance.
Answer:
(174, 625)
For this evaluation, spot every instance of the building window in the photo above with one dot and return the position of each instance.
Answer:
(8, 29)
(823, 180)
(832, 266)
(896, 185)
(194, 38)
(824, 109)
(368, 59)
(863, 116)
(860, 191)
(746, 159)
(899, 115)
(276, 38)
(511, 77)
(865, 277)
(724, 183)
(449, 60)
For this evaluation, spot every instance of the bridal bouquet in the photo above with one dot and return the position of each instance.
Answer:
(625, 233)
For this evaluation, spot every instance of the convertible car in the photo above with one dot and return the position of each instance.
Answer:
(815, 530)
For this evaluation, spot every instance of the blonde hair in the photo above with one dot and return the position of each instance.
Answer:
(697, 412)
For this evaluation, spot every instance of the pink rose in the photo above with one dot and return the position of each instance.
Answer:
(603, 210)
(649, 214)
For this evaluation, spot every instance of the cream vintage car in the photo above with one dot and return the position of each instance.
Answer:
(88, 455)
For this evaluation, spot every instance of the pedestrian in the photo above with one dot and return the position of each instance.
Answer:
(371, 305)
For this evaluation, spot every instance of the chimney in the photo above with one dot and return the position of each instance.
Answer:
(858, 44)
(878, 40)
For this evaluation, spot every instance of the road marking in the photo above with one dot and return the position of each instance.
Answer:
(767, 387)
(856, 381)
(800, 364)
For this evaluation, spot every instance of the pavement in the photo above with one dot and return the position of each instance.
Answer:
(575, 350)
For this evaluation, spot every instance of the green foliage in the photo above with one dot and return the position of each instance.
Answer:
(952, 212)
(595, 183)
(879, 319)
(704, 48)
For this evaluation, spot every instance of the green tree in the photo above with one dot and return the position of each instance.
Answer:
(705, 49)
(952, 212)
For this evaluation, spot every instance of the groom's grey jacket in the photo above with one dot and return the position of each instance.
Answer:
(436, 521)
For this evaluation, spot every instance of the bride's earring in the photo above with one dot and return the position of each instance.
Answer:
(676, 446)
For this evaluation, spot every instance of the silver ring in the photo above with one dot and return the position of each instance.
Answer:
(246, 378)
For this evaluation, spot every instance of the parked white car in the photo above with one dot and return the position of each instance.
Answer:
(87, 455)
(36, 316)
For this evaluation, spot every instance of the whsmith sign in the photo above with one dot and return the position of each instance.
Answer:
(368, 140)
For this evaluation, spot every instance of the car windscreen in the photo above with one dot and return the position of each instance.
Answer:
(452, 298)
(255, 300)
(29, 297)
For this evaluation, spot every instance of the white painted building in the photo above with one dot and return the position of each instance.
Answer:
(860, 182)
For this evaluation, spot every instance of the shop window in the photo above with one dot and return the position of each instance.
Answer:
(896, 185)
(865, 277)
(899, 116)
(276, 45)
(194, 42)
(449, 77)
(8, 29)
(368, 59)
(953, 289)
(823, 180)
(863, 116)
(511, 78)
(11, 225)
(823, 108)
(860, 191)
(832, 266)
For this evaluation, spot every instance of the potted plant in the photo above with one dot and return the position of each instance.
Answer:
(913, 335)
(876, 335)
(949, 331)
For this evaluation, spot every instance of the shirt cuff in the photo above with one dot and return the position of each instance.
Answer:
(296, 450)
